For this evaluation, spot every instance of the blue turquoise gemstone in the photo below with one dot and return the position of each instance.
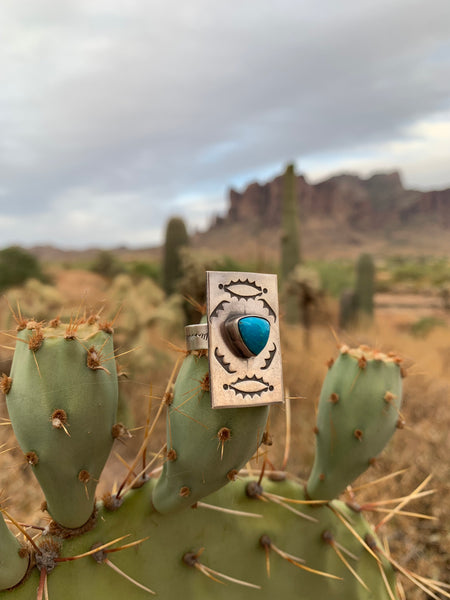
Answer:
(254, 333)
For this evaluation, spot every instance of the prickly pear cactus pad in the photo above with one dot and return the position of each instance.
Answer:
(206, 447)
(62, 402)
(232, 545)
(14, 558)
(359, 410)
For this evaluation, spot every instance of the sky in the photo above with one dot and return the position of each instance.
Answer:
(116, 115)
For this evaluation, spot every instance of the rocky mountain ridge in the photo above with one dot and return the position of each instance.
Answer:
(376, 203)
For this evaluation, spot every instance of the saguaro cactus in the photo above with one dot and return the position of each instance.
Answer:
(356, 305)
(290, 233)
(176, 238)
(290, 241)
(365, 285)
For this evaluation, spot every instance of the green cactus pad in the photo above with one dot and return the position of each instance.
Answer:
(358, 413)
(14, 558)
(206, 447)
(228, 542)
(62, 403)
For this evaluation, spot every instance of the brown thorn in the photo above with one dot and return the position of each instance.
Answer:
(296, 562)
(400, 513)
(353, 532)
(20, 528)
(287, 446)
(127, 577)
(403, 503)
(386, 582)
(42, 585)
(261, 475)
(140, 475)
(332, 543)
(409, 575)
(37, 365)
(229, 511)
(92, 551)
(276, 500)
(380, 480)
(212, 574)
(125, 546)
(147, 423)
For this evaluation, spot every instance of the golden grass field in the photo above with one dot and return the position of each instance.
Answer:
(420, 449)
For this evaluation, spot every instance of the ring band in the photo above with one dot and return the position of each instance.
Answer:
(196, 336)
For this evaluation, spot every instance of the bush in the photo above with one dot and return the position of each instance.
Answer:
(141, 268)
(424, 326)
(16, 266)
(107, 265)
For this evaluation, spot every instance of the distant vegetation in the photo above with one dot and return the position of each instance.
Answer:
(107, 264)
(16, 266)
(419, 270)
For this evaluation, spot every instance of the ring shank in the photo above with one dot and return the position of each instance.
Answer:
(196, 336)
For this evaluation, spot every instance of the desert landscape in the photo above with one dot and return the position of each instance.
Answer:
(411, 317)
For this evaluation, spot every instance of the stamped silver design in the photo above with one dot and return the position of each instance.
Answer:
(196, 336)
(243, 339)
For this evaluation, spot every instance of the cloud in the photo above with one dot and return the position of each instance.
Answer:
(422, 154)
(160, 100)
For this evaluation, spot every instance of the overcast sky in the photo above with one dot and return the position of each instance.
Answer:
(115, 115)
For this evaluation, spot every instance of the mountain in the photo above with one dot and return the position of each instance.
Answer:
(376, 202)
(341, 215)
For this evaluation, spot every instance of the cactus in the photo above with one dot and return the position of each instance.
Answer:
(359, 410)
(347, 308)
(13, 558)
(303, 286)
(205, 521)
(62, 402)
(290, 234)
(356, 305)
(365, 286)
(206, 447)
(176, 238)
(290, 242)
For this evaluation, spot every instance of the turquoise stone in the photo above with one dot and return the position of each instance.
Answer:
(254, 333)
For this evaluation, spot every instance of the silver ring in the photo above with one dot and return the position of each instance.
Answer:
(196, 336)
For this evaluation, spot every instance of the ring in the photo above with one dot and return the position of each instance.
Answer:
(196, 336)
